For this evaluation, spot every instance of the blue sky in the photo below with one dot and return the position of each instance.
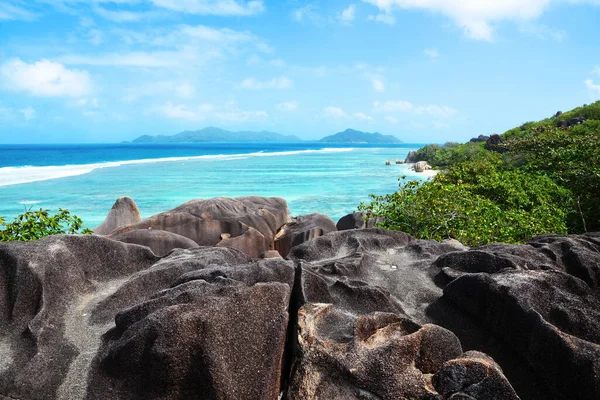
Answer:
(95, 71)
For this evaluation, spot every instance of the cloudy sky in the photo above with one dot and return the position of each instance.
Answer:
(423, 70)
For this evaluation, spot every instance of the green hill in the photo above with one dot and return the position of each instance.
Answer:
(353, 136)
(541, 177)
(212, 134)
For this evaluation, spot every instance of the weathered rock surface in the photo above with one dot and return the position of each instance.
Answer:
(533, 307)
(356, 220)
(385, 356)
(302, 229)
(480, 138)
(206, 320)
(245, 223)
(47, 291)
(411, 157)
(494, 142)
(160, 242)
(358, 314)
(421, 166)
(123, 213)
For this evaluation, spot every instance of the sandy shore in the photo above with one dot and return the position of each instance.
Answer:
(430, 173)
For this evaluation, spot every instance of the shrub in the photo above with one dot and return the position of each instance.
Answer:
(475, 203)
(33, 225)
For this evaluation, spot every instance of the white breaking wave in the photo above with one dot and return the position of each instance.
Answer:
(28, 174)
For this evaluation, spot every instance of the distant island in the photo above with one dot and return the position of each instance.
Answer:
(352, 136)
(212, 134)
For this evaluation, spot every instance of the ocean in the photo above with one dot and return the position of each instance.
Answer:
(332, 179)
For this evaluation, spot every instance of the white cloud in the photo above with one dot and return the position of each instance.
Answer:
(184, 112)
(213, 7)
(382, 18)
(391, 120)
(593, 88)
(476, 17)
(13, 12)
(378, 85)
(45, 79)
(308, 13)
(201, 112)
(181, 89)
(282, 82)
(542, 31)
(28, 113)
(334, 112)
(348, 15)
(596, 70)
(407, 107)
(338, 113)
(287, 106)
(433, 53)
(187, 46)
(241, 116)
(362, 116)
(123, 15)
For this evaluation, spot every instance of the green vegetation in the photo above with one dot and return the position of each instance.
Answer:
(33, 225)
(546, 179)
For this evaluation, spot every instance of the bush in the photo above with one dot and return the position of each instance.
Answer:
(475, 203)
(34, 225)
(571, 158)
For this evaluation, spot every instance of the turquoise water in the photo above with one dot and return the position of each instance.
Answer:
(329, 179)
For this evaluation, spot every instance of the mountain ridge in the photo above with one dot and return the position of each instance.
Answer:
(354, 136)
(213, 135)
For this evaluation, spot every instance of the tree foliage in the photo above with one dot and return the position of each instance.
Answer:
(571, 158)
(547, 180)
(475, 203)
(33, 225)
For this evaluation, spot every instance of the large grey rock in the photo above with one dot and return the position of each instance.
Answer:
(48, 290)
(218, 340)
(254, 221)
(533, 307)
(356, 220)
(123, 213)
(385, 356)
(60, 298)
(160, 242)
(302, 229)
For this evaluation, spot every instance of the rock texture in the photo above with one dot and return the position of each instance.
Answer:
(385, 356)
(302, 229)
(160, 242)
(533, 307)
(123, 213)
(356, 220)
(248, 224)
(357, 314)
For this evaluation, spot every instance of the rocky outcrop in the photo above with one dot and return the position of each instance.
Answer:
(421, 166)
(493, 144)
(570, 122)
(302, 229)
(123, 213)
(385, 356)
(160, 242)
(356, 220)
(248, 224)
(533, 307)
(357, 314)
(411, 157)
(479, 139)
